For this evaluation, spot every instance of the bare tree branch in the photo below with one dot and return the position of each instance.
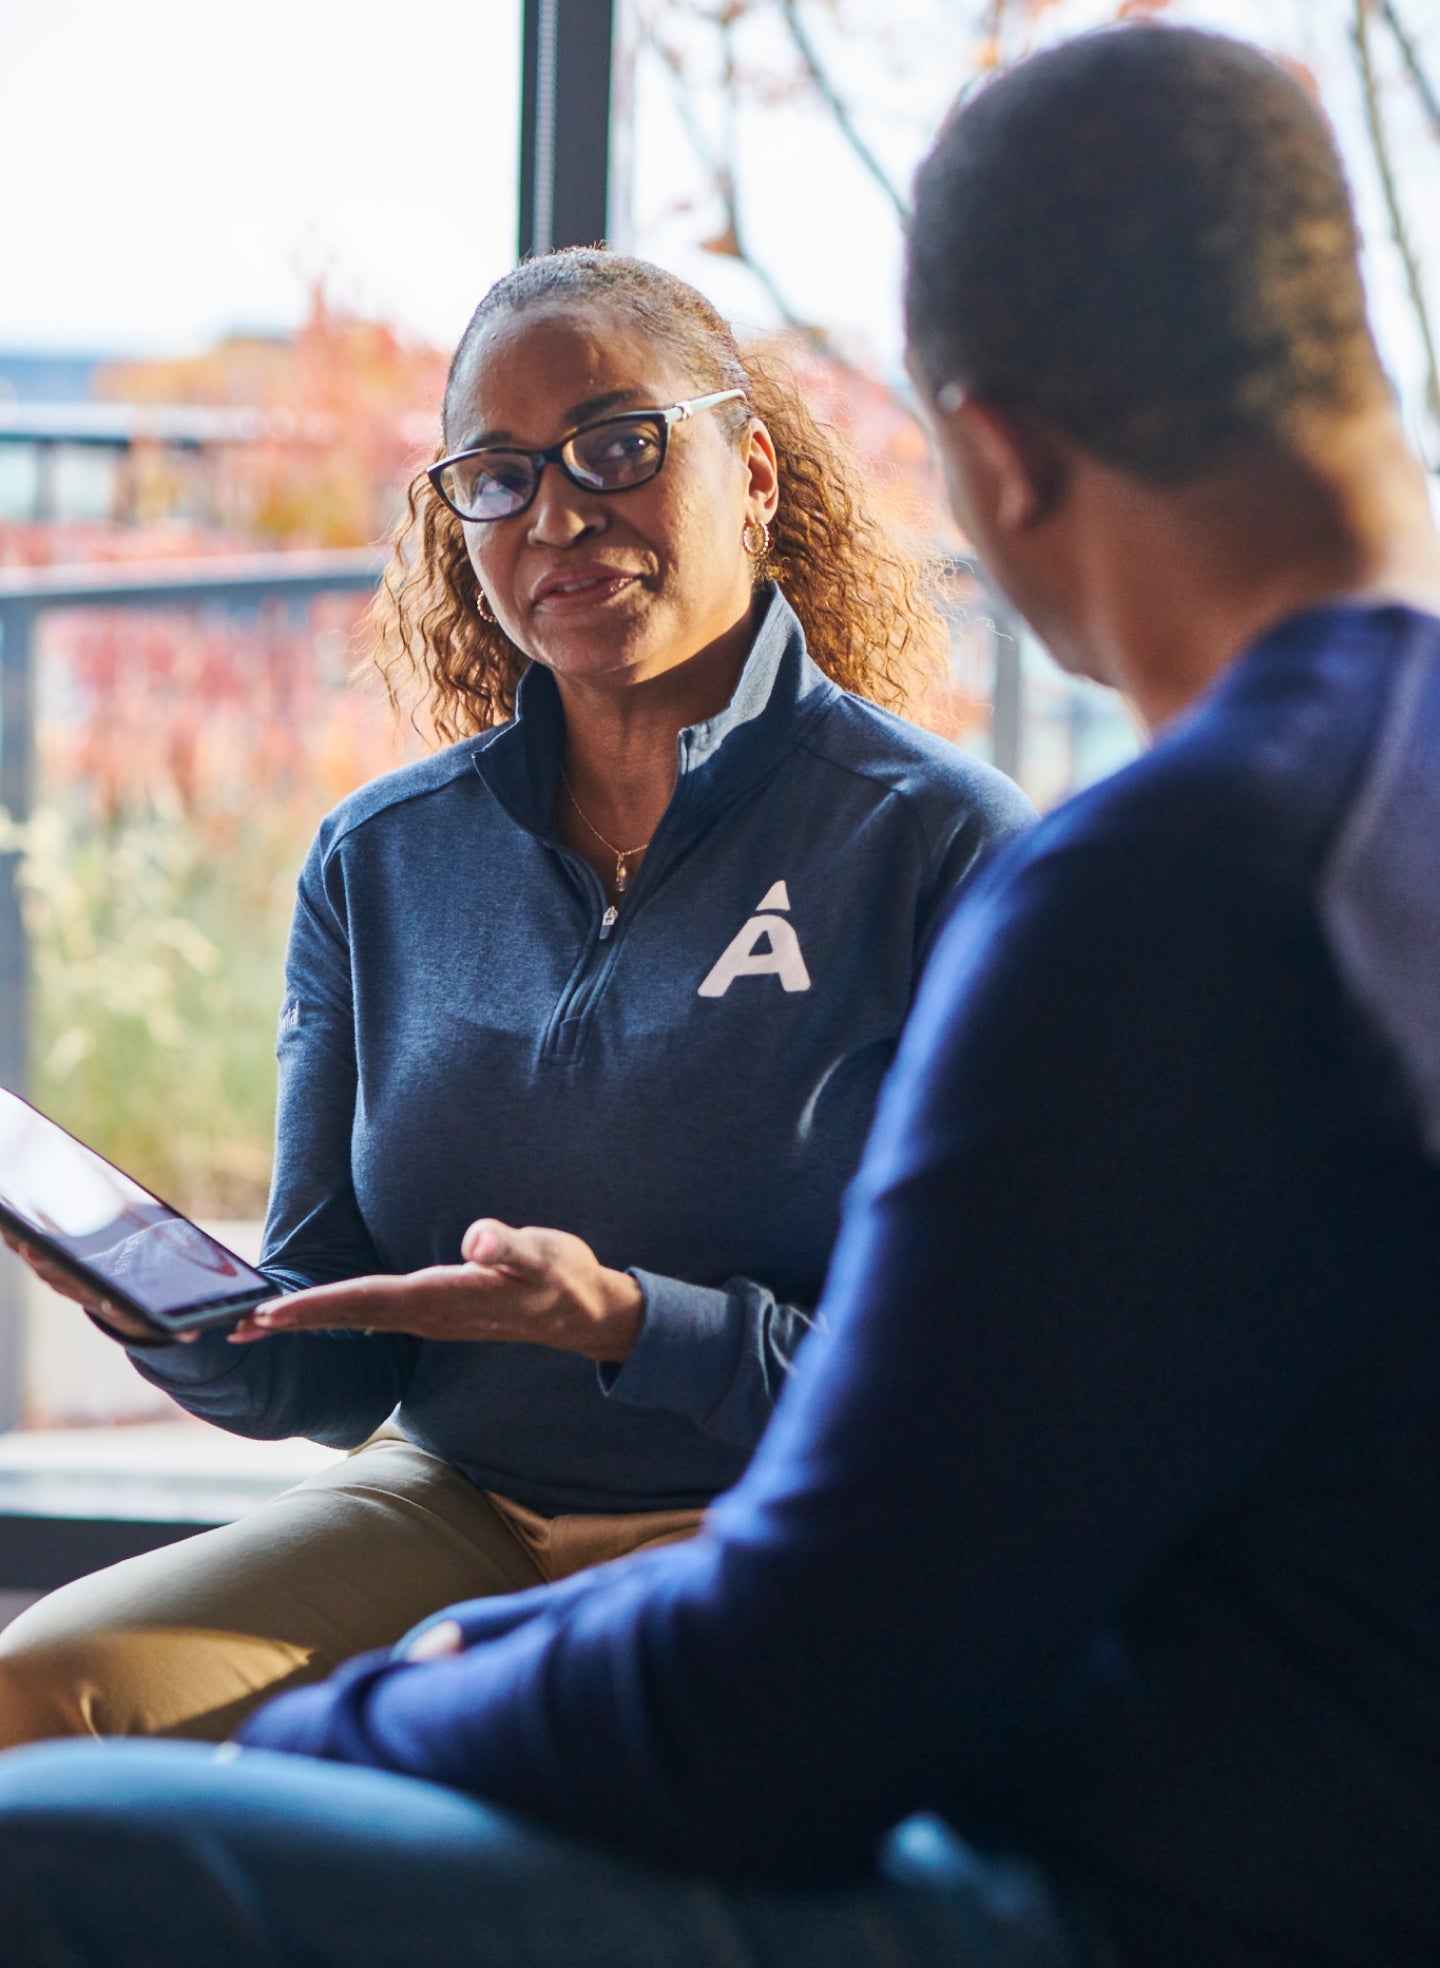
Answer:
(1380, 144)
(1409, 54)
(835, 103)
(719, 169)
(732, 239)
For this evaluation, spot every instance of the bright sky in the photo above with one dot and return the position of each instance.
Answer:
(828, 234)
(168, 172)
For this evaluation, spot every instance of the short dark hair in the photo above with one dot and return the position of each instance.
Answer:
(1145, 236)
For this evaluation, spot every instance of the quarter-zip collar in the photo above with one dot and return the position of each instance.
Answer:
(779, 691)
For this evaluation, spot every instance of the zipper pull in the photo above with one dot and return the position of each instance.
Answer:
(607, 921)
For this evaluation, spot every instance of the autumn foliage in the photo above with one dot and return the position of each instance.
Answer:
(350, 408)
(187, 754)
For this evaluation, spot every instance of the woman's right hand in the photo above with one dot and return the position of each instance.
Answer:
(119, 1323)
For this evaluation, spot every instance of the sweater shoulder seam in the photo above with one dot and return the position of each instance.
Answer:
(404, 796)
(885, 788)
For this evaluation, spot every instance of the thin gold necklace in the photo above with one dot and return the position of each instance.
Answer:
(622, 854)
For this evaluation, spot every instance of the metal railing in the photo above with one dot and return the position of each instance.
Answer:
(26, 594)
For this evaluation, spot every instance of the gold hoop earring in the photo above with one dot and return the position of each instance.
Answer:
(482, 606)
(747, 534)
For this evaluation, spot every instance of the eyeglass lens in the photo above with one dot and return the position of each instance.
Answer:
(604, 458)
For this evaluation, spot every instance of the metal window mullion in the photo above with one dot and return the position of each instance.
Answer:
(567, 61)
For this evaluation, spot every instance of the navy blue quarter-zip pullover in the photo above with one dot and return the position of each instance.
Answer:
(686, 1083)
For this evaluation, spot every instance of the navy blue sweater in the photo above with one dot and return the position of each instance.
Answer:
(688, 1089)
(1105, 1516)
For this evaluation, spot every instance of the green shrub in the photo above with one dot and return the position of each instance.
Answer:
(157, 954)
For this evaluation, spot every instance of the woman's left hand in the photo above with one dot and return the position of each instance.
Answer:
(544, 1287)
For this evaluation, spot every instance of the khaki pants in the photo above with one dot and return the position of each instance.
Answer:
(186, 1640)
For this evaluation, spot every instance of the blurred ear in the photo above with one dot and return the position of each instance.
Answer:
(764, 471)
(1012, 462)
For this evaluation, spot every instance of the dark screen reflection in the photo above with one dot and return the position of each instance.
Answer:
(93, 1211)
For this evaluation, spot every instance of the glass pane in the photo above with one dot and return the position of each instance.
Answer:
(771, 160)
(262, 336)
(157, 890)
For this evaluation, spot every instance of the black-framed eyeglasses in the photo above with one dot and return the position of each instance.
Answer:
(496, 482)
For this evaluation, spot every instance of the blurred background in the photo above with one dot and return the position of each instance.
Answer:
(235, 258)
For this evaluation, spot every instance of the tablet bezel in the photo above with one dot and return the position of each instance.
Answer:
(194, 1316)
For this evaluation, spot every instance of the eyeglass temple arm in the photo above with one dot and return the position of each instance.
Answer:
(685, 411)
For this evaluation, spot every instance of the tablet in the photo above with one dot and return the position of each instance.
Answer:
(111, 1234)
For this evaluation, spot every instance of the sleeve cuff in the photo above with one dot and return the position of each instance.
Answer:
(296, 1722)
(687, 1354)
(165, 1363)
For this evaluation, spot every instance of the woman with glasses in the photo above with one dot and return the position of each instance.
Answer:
(585, 1015)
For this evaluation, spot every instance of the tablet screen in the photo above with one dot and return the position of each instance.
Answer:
(93, 1212)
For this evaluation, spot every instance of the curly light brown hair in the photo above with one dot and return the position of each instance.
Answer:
(865, 598)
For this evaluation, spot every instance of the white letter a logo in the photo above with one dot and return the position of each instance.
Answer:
(744, 957)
